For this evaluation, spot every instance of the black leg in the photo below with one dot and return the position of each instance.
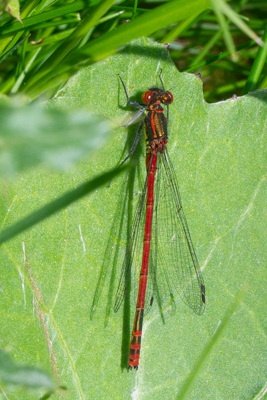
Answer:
(131, 103)
(136, 140)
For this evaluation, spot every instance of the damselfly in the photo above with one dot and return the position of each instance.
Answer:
(168, 261)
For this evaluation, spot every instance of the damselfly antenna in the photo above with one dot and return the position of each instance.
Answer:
(161, 80)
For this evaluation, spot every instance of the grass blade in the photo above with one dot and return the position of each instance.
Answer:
(257, 67)
(57, 205)
(209, 347)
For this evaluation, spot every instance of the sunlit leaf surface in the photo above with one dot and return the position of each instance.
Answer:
(51, 274)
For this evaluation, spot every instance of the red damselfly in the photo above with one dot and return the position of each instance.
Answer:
(168, 262)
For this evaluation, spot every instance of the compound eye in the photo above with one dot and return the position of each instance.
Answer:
(147, 96)
(167, 98)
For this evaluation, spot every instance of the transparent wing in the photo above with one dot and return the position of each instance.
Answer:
(133, 256)
(175, 266)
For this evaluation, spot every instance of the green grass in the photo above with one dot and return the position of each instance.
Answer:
(57, 38)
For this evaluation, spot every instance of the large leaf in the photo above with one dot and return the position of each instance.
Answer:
(51, 273)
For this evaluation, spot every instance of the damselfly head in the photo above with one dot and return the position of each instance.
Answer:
(154, 95)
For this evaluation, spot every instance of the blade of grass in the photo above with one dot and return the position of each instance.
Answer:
(257, 67)
(8, 44)
(175, 32)
(84, 29)
(261, 394)
(116, 21)
(44, 4)
(144, 25)
(45, 16)
(263, 83)
(22, 56)
(134, 9)
(27, 9)
(231, 87)
(207, 48)
(60, 36)
(213, 341)
(9, 52)
(219, 57)
(21, 77)
(73, 40)
(109, 42)
(54, 23)
(52, 38)
(235, 18)
(217, 6)
(57, 205)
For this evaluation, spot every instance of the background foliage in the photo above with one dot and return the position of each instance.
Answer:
(51, 273)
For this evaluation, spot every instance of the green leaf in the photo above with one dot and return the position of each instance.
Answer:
(33, 134)
(56, 205)
(51, 273)
(211, 344)
(23, 375)
(13, 7)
